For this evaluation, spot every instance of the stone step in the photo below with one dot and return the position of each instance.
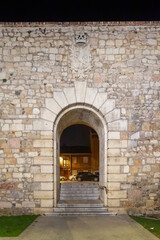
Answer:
(79, 185)
(79, 191)
(79, 205)
(79, 198)
(78, 209)
(81, 213)
(79, 194)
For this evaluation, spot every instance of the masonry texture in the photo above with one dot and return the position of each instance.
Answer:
(114, 68)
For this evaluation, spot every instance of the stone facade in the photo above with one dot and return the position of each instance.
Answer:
(113, 69)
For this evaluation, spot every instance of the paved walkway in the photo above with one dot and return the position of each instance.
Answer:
(85, 228)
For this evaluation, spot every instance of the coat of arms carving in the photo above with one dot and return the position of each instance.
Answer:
(80, 56)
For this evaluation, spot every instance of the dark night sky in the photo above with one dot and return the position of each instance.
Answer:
(72, 10)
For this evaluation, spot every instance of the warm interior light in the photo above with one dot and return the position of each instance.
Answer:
(61, 159)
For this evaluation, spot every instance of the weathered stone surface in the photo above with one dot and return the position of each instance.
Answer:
(52, 105)
(113, 169)
(47, 115)
(43, 194)
(60, 99)
(47, 203)
(90, 95)
(43, 125)
(42, 143)
(43, 177)
(117, 177)
(100, 99)
(119, 125)
(80, 88)
(113, 115)
(5, 204)
(117, 194)
(46, 169)
(108, 106)
(46, 186)
(115, 74)
(117, 143)
(113, 135)
(70, 95)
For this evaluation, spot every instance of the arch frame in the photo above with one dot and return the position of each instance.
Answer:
(102, 154)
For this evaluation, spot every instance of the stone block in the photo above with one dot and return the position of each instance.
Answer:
(146, 168)
(5, 127)
(146, 126)
(46, 186)
(150, 203)
(90, 95)
(70, 95)
(135, 135)
(80, 89)
(113, 186)
(113, 115)
(60, 99)
(113, 135)
(117, 144)
(5, 204)
(46, 152)
(123, 135)
(52, 105)
(17, 175)
(13, 143)
(47, 169)
(28, 204)
(117, 177)
(108, 106)
(43, 143)
(43, 194)
(114, 203)
(114, 152)
(10, 161)
(17, 127)
(99, 100)
(42, 210)
(43, 177)
(47, 203)
(33, 154)
(113, 169)
(126, 169)
(134, 169)
(117, 160)
(47, 115)
(117, 194)
(119, 125)
(43, 125)
(152, 42)
(43, 160)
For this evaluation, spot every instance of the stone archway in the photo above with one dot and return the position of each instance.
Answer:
(81, 114)
(94, 103)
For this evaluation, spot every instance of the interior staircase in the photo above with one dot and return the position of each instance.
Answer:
(80, 198)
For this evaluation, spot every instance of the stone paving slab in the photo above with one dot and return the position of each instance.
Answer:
(85, 228)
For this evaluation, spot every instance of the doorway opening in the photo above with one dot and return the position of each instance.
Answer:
(88, 116)
(79, 154)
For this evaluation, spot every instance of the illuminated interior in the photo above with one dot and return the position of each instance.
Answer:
(79, 151)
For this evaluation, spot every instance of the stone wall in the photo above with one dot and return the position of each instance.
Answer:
(46, 67)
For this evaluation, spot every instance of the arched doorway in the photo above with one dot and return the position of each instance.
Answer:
(81, 114)
(79, 153)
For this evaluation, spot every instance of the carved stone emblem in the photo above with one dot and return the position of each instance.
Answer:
(80, 56)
